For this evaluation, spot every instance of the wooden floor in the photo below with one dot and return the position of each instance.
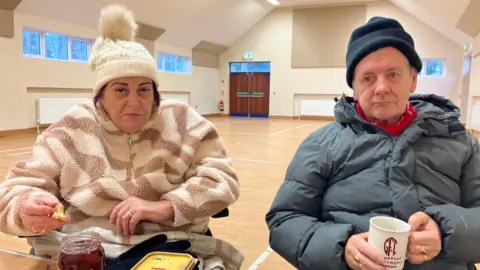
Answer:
(261, 150)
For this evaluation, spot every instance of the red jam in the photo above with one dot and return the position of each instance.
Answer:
(81, 252)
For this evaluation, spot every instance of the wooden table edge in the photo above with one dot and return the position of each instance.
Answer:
(27, 255)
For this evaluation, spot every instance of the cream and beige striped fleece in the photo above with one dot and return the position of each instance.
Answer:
(91, 166)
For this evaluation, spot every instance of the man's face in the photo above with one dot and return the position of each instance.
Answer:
(382, 84)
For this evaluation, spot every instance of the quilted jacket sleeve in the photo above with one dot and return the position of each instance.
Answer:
(460, 225)
(211, 183)
(36, 176)
(296, 232)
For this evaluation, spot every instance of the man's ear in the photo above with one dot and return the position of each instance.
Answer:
(413, 87)
(355, 95)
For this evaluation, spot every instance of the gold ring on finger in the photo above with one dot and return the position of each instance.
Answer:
(425, 257)
(357, 257)
(35, 230)
(360, 266)
(127, 215)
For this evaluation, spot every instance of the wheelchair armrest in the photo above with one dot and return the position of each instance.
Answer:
(224, 213)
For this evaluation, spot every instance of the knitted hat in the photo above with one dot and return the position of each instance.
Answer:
(377, 33)
(115, 54)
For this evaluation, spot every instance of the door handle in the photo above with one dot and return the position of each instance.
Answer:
(257, 94)
(242, 94)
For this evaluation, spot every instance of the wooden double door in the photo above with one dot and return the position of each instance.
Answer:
(250, 94)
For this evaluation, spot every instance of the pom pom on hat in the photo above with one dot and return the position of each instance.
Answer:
(117, 23)
(115, 53)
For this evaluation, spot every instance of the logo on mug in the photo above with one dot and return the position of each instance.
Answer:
(390, 246)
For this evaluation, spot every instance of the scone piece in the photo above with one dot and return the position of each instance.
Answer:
(59, 214)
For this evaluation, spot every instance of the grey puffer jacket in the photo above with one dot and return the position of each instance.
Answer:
(349, 171)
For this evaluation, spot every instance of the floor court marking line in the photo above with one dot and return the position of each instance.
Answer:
(258, 161)
(229, 123)
(18, 154)
(288, 136)
(225, 122)
(287, 130)
(243, 133)
(14, 149)
(261, 259)
(26, 255)
(259, 134)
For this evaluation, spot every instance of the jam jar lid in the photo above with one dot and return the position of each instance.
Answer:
(80, 243)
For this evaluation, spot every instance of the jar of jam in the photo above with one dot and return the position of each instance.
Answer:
(82, 251)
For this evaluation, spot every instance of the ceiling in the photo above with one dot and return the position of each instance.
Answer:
(290, 3)
(442, 17)
(9, 4)
(189, 22)
(469, 22)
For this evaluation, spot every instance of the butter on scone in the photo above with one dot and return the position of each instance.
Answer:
(59, 214)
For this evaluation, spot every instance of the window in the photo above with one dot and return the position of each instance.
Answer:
(259, 67)
(174, 63)
(433, 68)
(237, 67)
(55, 46)
(31, 43)
(180, 64)
(79, 49)
(169, 62)
(160, 61)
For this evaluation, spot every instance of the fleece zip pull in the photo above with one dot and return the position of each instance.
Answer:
(130, 144)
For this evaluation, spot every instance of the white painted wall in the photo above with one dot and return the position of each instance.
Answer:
(271, 40)
(474, 91)
(17, 106)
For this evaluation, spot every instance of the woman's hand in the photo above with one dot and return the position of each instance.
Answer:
(425, 241)
(127, 214)
(359, 254)
(35, 214)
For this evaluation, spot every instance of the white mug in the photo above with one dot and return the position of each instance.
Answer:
(390, 237)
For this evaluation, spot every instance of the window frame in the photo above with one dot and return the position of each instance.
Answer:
(42, 50)
(44, 41)
(90, 43)
(162, 60)
(42, 32)
(245, 65)
(424, 69)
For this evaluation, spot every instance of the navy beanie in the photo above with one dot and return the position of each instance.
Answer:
(377, 33)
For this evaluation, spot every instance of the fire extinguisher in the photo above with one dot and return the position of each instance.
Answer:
(221, 105)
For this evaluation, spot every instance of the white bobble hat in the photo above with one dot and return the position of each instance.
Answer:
(115, 53)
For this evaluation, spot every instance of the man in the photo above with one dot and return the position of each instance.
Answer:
(388, 153)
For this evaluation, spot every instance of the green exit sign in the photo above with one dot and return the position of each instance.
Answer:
(248, 56)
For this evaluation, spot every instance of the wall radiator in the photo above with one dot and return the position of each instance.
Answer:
(318, 107)
(182, 97)
(50, 110)
(475, 117)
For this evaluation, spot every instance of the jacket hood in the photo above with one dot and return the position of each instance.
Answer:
(426, 105)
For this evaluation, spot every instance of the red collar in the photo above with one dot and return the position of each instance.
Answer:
(408, 116)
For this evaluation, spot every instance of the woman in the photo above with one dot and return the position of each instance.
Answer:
(128, 166)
